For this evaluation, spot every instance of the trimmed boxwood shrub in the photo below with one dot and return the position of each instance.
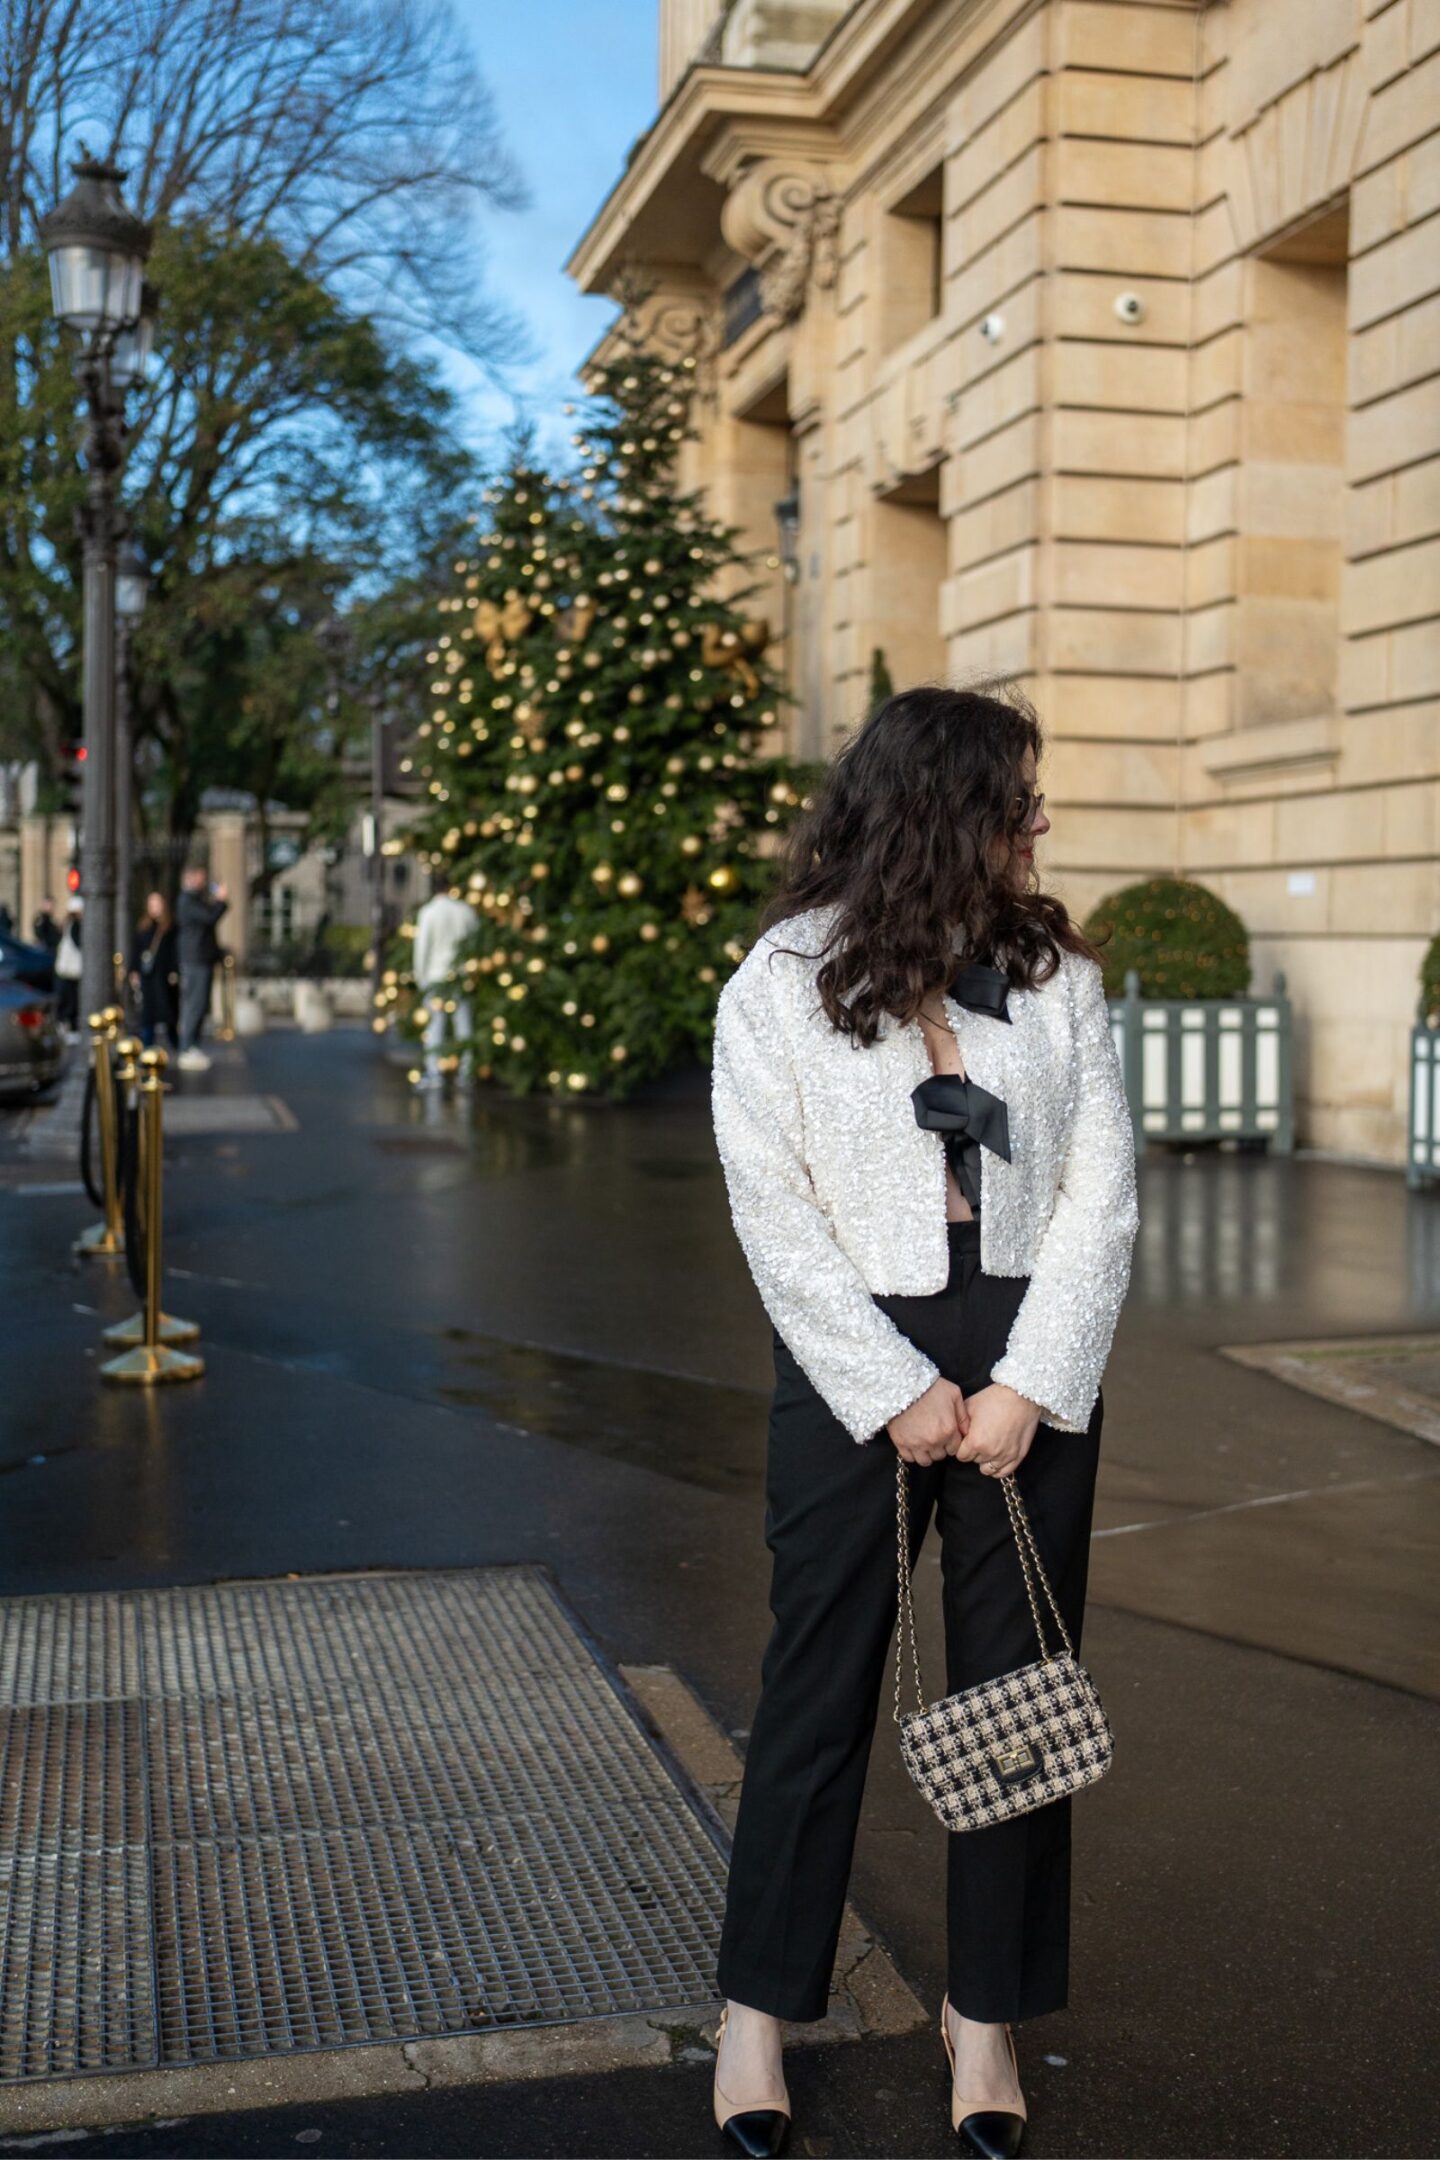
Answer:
(1430, 982)
(1179, 937)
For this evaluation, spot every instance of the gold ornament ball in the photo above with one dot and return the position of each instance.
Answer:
(649, 931)
(707, 974)
(600, 942)
(691, 844)
(722, 879)
(619, 1053)
(602, 873)
(630, 885)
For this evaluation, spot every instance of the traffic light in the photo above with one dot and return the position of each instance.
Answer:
(72, 775)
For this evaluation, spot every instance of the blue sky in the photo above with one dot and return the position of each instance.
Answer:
(574, 82)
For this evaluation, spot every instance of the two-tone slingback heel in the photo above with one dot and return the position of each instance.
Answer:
(994, 2133)
(759, 2130)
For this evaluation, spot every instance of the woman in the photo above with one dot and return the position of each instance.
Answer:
(69, 968)
(945, 1288)
(155, 970)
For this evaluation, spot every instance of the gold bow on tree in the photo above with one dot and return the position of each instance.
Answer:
(735, 649)
(501, 626)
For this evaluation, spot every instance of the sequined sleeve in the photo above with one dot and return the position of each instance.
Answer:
(855, 1357)
(1061, 1334)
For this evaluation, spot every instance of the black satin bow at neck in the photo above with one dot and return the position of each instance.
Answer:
(982, 989)
(968, 1117)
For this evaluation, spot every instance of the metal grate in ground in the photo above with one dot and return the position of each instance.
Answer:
(267, 1817)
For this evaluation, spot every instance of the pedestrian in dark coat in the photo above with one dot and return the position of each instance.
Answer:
(45, 930)
(200, 907)
(154, 970)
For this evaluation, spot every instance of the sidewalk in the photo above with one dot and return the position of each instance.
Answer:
(434, 1343)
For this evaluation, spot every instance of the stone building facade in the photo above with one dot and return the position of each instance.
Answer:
(1096, 341)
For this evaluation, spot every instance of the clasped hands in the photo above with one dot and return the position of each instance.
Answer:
(992, 1428)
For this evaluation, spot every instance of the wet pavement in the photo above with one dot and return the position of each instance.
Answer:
(445, 1337)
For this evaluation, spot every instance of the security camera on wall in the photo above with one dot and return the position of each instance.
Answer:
(1130, 307)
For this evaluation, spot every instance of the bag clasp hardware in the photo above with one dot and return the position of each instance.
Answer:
(1015, 1760)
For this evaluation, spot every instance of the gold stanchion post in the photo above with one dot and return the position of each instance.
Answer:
(126, 1333)
(226, 1028)
(105, 1240)
(152, 1361)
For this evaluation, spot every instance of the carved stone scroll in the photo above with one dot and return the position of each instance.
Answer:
(786, 220)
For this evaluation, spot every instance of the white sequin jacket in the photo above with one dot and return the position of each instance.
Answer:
(837, 1193)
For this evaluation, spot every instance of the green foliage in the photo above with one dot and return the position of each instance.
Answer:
(881, 686)
(592, 755)
(1181, 939)
(279, 454)
(1430, 982)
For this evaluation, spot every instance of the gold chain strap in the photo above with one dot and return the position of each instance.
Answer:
(1030, 1560)
(907, 1610)
(1025, 1539)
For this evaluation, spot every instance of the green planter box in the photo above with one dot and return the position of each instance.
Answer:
(1207, 1068)
(1422, 1155)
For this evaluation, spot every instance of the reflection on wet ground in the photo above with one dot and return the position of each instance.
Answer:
(699, 1431)
(1240, 1229)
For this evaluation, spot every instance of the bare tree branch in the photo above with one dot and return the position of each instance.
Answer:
(356, 133)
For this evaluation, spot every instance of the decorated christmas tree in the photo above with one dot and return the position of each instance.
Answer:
(591, 757)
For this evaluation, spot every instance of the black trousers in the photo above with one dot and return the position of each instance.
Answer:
(830, 1527)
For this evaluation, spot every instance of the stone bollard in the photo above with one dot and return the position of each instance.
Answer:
(312, 1008)
(249, 1014)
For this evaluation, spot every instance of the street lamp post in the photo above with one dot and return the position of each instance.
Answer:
(376, 837)
(132, 578)
(97, 250)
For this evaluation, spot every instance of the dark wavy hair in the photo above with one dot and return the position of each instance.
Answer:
(901, 836)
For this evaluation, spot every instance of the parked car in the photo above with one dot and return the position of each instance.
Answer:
(32, 1048)
(24, 963)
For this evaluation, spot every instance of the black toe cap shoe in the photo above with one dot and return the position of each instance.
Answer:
(760, 2132)
(992, 2133)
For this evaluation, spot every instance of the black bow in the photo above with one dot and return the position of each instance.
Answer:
(969, 1117)
(983, 989)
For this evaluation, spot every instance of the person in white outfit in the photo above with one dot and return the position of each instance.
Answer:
(441, 928)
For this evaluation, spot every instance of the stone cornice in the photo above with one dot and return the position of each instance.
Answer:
(717, 120)
(742, 141)
(773, 112)
(674, 150)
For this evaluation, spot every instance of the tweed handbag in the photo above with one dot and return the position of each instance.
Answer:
(1010, 1744)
